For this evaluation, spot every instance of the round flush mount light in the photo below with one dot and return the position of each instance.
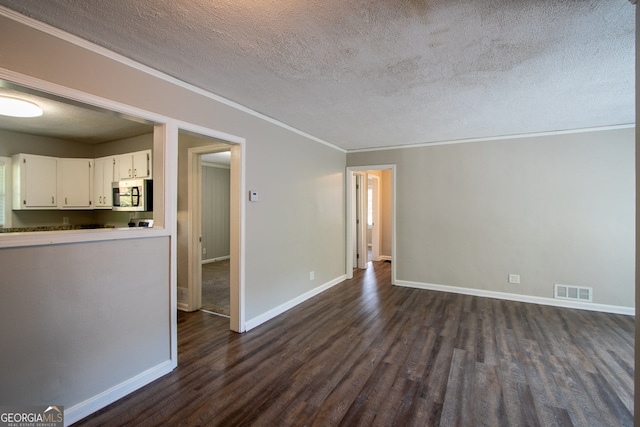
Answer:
(16, 107)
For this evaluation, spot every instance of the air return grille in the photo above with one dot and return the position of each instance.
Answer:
(573, 293)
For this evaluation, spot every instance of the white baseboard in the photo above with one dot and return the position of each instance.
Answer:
(183, 306)
(95, 403)
(220, 258)
(384, 258)
(629, 311)
(256, 321)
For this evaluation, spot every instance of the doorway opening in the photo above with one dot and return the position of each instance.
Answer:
(215, 232)
(371, 227)
(210, 206)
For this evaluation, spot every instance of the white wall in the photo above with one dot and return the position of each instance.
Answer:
(554, 209)
(297, 226)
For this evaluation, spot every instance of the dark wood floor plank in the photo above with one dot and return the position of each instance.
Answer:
(489, 406)
(369, 353)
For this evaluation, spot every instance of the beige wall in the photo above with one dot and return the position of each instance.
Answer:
(216, 182)
(125, 145)
(79, 319)
(17, 142)
(554, 209)
(297, 226)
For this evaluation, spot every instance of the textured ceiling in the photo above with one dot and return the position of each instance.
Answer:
(363, 74)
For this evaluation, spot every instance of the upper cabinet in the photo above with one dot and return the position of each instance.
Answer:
(103, 172)
(133, 165)
(75, 183)
(34, 182)
(41, 182)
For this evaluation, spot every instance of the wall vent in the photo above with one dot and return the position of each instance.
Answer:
(573, 293)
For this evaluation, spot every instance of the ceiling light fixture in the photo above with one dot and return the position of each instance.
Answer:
(15, 107)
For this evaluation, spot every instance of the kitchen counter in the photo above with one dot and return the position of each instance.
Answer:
(53, 228)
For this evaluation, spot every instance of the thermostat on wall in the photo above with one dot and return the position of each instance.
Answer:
(253, 196)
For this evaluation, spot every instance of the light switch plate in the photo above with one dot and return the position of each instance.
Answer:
(253, 196)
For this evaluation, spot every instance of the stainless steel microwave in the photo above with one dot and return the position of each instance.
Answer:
(133, 195)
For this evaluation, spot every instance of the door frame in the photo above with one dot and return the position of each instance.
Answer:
(237, 223)
(375, 228)
(194, 250)
(359, 220)
(350, 173)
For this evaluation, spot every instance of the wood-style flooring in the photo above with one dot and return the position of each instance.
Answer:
(216, 292)
(368, 353)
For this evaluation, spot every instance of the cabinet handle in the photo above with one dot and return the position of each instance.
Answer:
(135, 172)
(65, 201)
(53, 201)
(130, 173)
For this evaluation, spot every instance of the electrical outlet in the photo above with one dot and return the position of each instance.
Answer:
(204, 251)
(514, 279)
(65, 220)
(312, 275)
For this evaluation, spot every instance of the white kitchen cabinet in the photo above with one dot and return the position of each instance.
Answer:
(134, 165)
(75, 183)
(34, 182)
(103, 172)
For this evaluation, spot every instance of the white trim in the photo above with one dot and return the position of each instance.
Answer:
(107, 397)
(238, 231)
(495, 138)
(259, 320)
(63, 35)
(216, 165)
(385, 258)
(182, 306)
(212, 260)
(629, 311)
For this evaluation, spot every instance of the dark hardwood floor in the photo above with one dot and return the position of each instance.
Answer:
(368, 353)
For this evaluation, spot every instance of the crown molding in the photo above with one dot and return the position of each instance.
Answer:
(495, 138)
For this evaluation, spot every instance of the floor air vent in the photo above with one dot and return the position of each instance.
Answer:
(573, 293)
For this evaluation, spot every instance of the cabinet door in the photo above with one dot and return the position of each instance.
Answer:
(142, 164)
(38, 176)
(103, 177)
(98, 182)
(75, 183)
(124, 167)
